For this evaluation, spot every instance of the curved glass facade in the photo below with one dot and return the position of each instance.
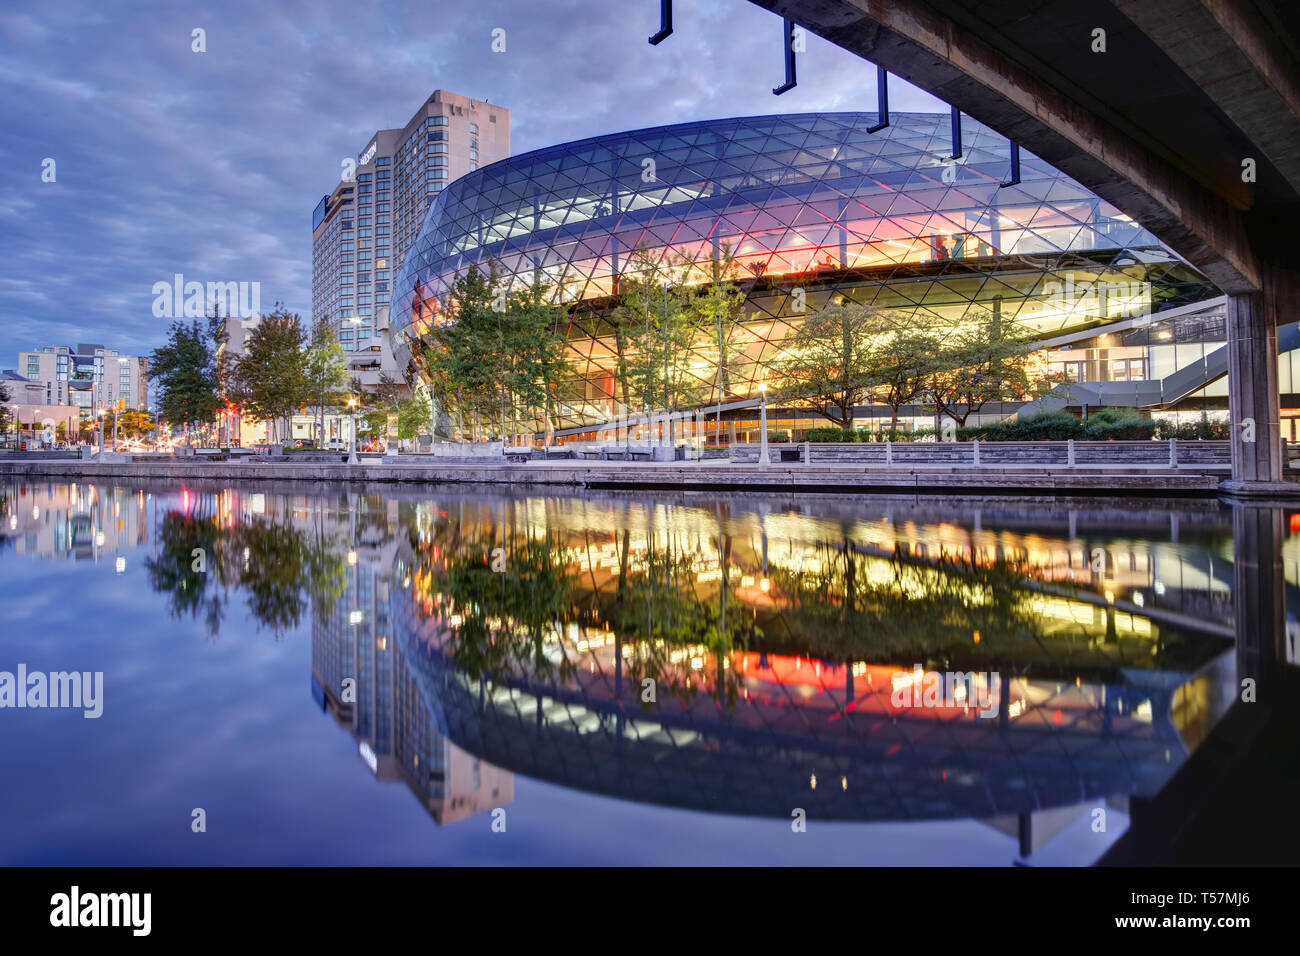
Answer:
(815, 202)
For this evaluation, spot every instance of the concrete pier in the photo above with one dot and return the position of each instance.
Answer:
(683, 476)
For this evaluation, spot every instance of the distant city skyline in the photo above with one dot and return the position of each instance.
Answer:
(171, 161)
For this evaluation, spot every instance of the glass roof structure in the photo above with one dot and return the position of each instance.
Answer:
(814, 201)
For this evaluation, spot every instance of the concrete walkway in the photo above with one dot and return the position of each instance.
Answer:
(1196, 480)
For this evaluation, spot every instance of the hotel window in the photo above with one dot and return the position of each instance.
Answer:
(437, 121)
(438, 148)
(384, 161)
(473, 143)
(473, 154)
(437, 136)
(363, 233)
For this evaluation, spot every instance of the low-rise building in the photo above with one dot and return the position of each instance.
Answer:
(88, 377)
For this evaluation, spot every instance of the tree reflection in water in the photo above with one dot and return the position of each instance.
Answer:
(281, 568)
(844, 602)
(672, 596)
(511, 598)
(526, 588)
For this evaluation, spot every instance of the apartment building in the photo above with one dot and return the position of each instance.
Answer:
(89, 377)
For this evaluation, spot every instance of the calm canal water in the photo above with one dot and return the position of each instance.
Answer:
(467, 675)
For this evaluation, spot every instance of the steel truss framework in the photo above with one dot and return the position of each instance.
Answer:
(812, 202)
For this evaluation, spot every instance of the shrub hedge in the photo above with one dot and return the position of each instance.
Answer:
(1195, 431)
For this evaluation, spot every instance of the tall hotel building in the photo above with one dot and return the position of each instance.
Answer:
(362, 230)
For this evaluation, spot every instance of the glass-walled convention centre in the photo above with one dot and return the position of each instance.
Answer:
(817, 208)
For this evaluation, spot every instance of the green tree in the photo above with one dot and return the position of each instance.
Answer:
(536, 355)
(897, 369)
(131, 422)
(325, 371)
(269, 378)
(718, 309)
(464, 357)
(983, 363)
(413, 416)
(187, 374)
(829, 358)
(651, 315)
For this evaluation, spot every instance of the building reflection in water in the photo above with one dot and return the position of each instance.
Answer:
(85, 522)
(490, 634)
(776, 641)
(360, 677)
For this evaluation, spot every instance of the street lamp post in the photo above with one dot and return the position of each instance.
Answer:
(115, 429)
(352, 443)
(101, 431)
(668, 419)
(762, 434)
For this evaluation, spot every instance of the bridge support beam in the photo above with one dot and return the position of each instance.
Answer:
(1253, 398)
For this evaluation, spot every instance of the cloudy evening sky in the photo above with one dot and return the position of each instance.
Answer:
(209, 164)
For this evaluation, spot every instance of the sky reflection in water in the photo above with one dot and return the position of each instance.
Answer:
(499, 645)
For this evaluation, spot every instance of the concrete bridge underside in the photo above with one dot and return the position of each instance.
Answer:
(1163, 122)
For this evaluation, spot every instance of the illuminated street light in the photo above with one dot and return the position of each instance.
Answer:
(762, 434)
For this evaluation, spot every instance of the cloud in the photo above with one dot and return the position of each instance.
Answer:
(209, 164)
